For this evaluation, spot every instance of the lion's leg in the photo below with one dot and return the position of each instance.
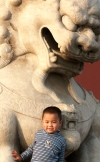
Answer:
(81, 155)
(93, 146)
(8, 135)
(89, 151)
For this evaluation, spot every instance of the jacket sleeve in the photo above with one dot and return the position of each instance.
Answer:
(62, 153)
(29, 151)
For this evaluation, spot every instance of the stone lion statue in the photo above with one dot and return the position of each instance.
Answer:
(43, 45)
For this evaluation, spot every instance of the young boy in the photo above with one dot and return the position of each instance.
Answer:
(48, 145)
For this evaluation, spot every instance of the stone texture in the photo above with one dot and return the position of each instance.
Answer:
(43, 45)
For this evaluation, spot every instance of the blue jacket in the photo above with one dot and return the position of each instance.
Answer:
(46, 148)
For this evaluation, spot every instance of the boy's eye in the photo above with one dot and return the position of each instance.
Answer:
(46, 122)
(54, 121)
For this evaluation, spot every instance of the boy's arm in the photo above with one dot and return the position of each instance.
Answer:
(28, 152)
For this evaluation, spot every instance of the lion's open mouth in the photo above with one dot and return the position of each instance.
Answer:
(61, 62)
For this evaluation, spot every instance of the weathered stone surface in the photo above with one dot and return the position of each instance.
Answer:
(43, 45)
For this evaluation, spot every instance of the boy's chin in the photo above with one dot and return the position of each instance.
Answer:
(51, 131)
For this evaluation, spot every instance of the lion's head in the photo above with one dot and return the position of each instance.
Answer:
(62, 35)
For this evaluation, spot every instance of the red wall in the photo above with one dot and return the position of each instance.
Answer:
(90, 78)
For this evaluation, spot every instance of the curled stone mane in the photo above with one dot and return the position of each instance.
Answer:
(6, 48)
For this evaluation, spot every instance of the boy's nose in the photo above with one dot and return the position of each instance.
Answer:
(50, 124)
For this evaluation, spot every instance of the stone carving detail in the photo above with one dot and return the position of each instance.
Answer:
(72, 136)
(43, 45)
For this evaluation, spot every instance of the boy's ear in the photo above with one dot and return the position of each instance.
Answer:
(61, 122)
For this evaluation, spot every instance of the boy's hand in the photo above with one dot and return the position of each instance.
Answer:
(16, 156)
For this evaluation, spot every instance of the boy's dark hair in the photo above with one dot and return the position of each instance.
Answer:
(52, 110)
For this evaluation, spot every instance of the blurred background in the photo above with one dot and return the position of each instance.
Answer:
(90, 78)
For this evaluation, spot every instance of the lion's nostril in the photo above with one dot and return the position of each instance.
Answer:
(79, 46)
(86, 44)
(91, 51)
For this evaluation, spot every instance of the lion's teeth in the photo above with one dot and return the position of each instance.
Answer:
(53, 59)
(51, 54)
(59, 46)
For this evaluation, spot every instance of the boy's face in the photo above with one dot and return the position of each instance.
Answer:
(51, 122)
